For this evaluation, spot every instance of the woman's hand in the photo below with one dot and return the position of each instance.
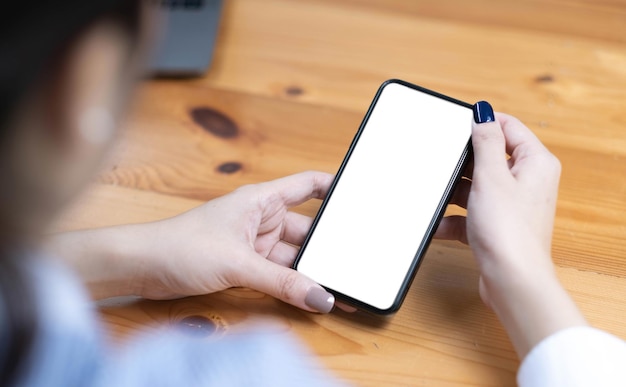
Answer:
(245, 238)
(511, 204)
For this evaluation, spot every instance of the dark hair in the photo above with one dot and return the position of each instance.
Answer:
(34, 35)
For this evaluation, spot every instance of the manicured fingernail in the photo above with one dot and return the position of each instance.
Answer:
(320, 300)
(483, 112)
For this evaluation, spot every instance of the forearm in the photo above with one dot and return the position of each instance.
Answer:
(533, 306)
(109, 260)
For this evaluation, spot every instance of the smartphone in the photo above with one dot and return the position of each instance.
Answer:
(385, 203)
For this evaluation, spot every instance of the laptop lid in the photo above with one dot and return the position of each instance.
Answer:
(188, 39)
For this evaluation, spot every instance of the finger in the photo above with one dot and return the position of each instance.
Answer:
(517, 135)
(461, 193)
(297, 189)
(283, 254)
(295, 228)
(452, 228)
(285, 284)
(530, 159)
(488, 142)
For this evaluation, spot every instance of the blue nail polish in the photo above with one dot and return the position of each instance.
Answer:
(483, 112)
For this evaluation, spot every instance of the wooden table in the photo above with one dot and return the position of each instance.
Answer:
(286, 92)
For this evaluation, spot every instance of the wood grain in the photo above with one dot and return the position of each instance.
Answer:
(286, 92)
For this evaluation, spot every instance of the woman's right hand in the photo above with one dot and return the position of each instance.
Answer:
(511, 205)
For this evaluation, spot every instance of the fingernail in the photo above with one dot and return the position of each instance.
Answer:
(483, 112)
(320, 300)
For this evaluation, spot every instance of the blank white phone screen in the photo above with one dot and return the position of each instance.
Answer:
(380, 210)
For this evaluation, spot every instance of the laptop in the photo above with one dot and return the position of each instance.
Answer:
(188, 39)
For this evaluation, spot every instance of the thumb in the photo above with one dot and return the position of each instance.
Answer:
(286, 284)
(487, 140)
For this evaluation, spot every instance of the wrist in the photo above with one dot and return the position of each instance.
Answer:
(110, 261)
(532, 304)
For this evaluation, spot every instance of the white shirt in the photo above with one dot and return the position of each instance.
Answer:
(577, 356)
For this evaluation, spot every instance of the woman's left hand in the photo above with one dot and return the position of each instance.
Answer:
(246, 238)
